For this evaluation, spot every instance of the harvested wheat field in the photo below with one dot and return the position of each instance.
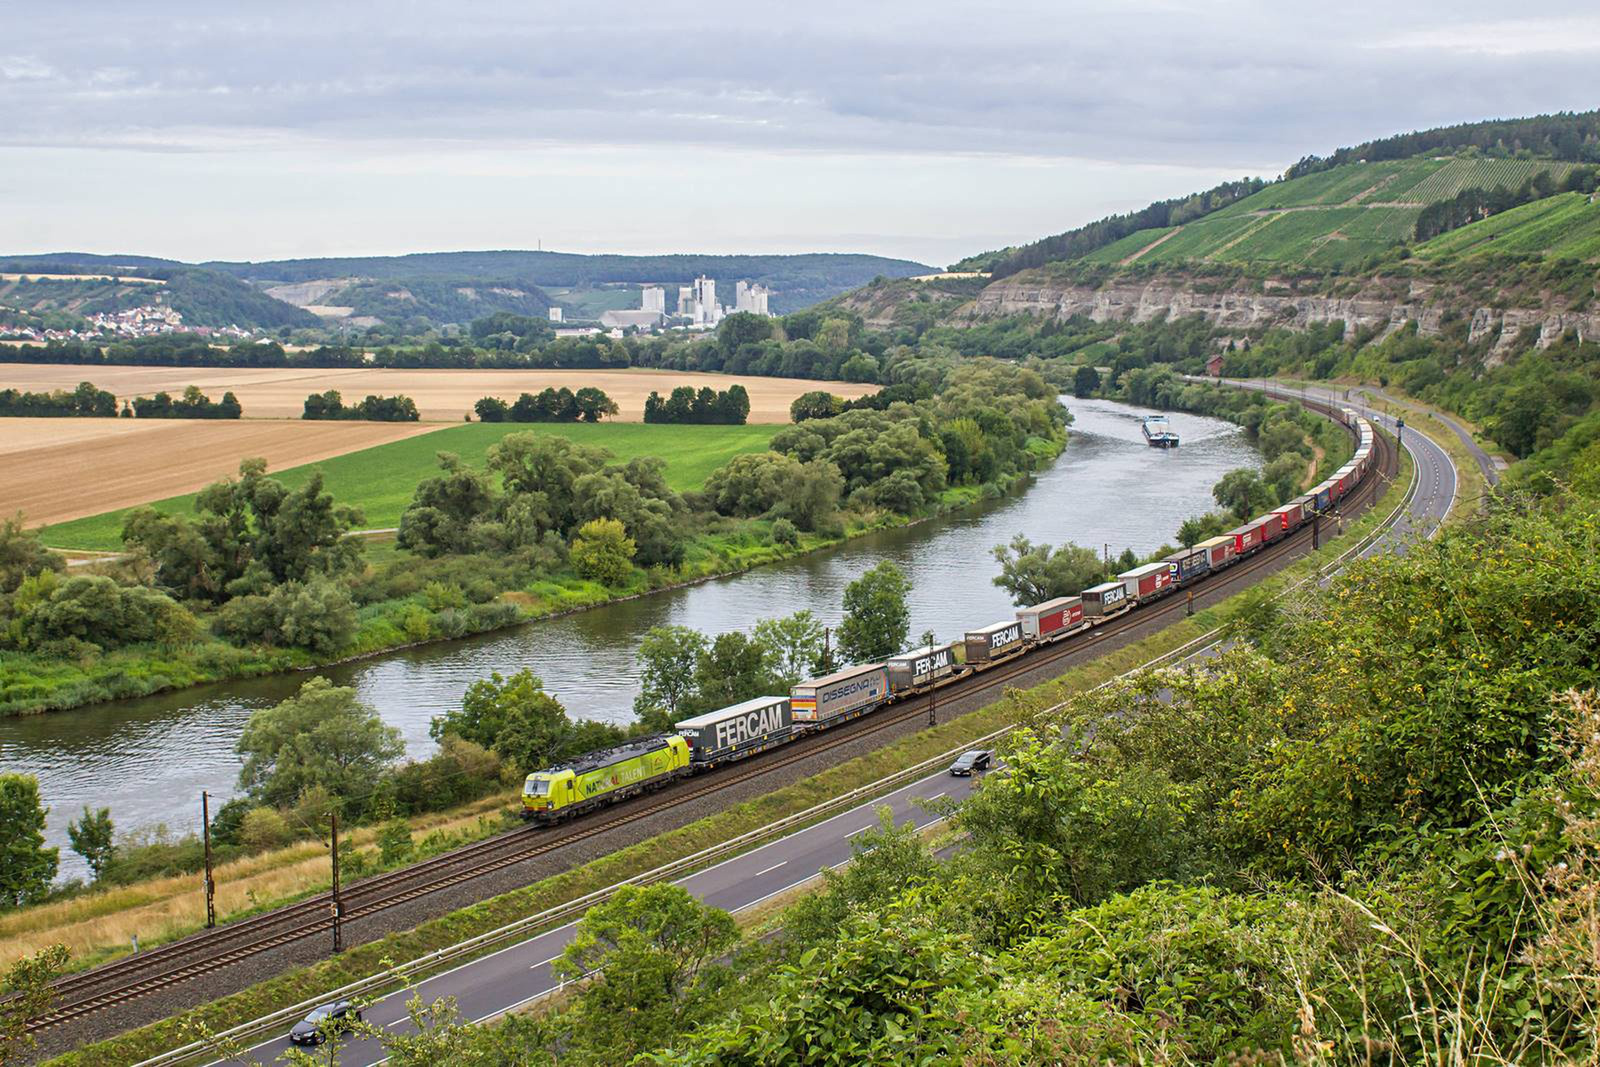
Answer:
(445, 395)
(53, 470)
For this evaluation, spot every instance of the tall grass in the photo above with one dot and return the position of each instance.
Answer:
(100, 924)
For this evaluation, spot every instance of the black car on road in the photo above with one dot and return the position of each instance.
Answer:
(329, 1018)
(970, 763)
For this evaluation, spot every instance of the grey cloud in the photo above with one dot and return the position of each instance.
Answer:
(1199, 84)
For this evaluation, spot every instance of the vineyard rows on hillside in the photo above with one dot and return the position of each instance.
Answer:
(1563, 226)
(1460, 174)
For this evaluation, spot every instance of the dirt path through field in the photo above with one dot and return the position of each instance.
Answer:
(1152, 246)
(53, 470)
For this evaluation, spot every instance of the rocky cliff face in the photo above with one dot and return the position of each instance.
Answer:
(1385, 304)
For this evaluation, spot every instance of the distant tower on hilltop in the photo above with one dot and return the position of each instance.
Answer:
(653, 298)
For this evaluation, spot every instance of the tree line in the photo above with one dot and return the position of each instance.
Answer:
(814, 343)
(705, 406)
(588, 404)
(330, 405)
(89, 401)
(191, 404)
(1571, 136)
(86, 401)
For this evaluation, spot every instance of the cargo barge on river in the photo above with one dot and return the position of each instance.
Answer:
(1158, 433)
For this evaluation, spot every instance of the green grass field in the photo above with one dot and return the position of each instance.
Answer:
(382, 480)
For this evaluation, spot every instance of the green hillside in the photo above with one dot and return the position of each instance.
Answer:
(1564, 226)
(1342, 216)
(1409, 186)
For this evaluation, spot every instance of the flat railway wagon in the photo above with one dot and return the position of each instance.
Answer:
(1105, 601)
(1052, 620)
(995, 641)
(603, 777)
(820, 702)
(1149, 582)
(911, 671)
(737, 731)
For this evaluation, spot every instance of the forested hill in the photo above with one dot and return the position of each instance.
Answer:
(1344, 209)
(202, 297)
(417, 292)
(796, 281)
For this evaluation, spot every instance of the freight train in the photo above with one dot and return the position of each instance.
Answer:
(730, 734)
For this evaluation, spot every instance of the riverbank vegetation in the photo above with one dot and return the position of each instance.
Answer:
(262, 577)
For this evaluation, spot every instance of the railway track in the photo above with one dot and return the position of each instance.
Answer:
(82, 994)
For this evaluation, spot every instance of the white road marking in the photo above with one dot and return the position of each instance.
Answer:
(541, 963)
(769, 870)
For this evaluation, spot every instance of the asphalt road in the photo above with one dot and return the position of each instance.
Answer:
(1490, 466)
(493, 984)
(514, 976)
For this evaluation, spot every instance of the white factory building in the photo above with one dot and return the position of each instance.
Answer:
(697, 303)
(750, 297)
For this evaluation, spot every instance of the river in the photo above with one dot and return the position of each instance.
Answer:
(148, 759)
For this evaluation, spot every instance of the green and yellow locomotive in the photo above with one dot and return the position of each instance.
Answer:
(604, 777)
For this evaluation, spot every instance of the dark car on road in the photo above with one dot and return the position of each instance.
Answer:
(970, 763)
(329, 1018)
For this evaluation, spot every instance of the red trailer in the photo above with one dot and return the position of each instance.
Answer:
(1148, 582)
(1221, 550)
(1053, 619)
(1271, 527)
(1246, 538)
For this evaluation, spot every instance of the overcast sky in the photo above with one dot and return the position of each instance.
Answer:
(927, 130)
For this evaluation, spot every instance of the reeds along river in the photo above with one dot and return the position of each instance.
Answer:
(149, 759)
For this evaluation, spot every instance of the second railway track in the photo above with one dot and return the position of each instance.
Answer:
(85, 993)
